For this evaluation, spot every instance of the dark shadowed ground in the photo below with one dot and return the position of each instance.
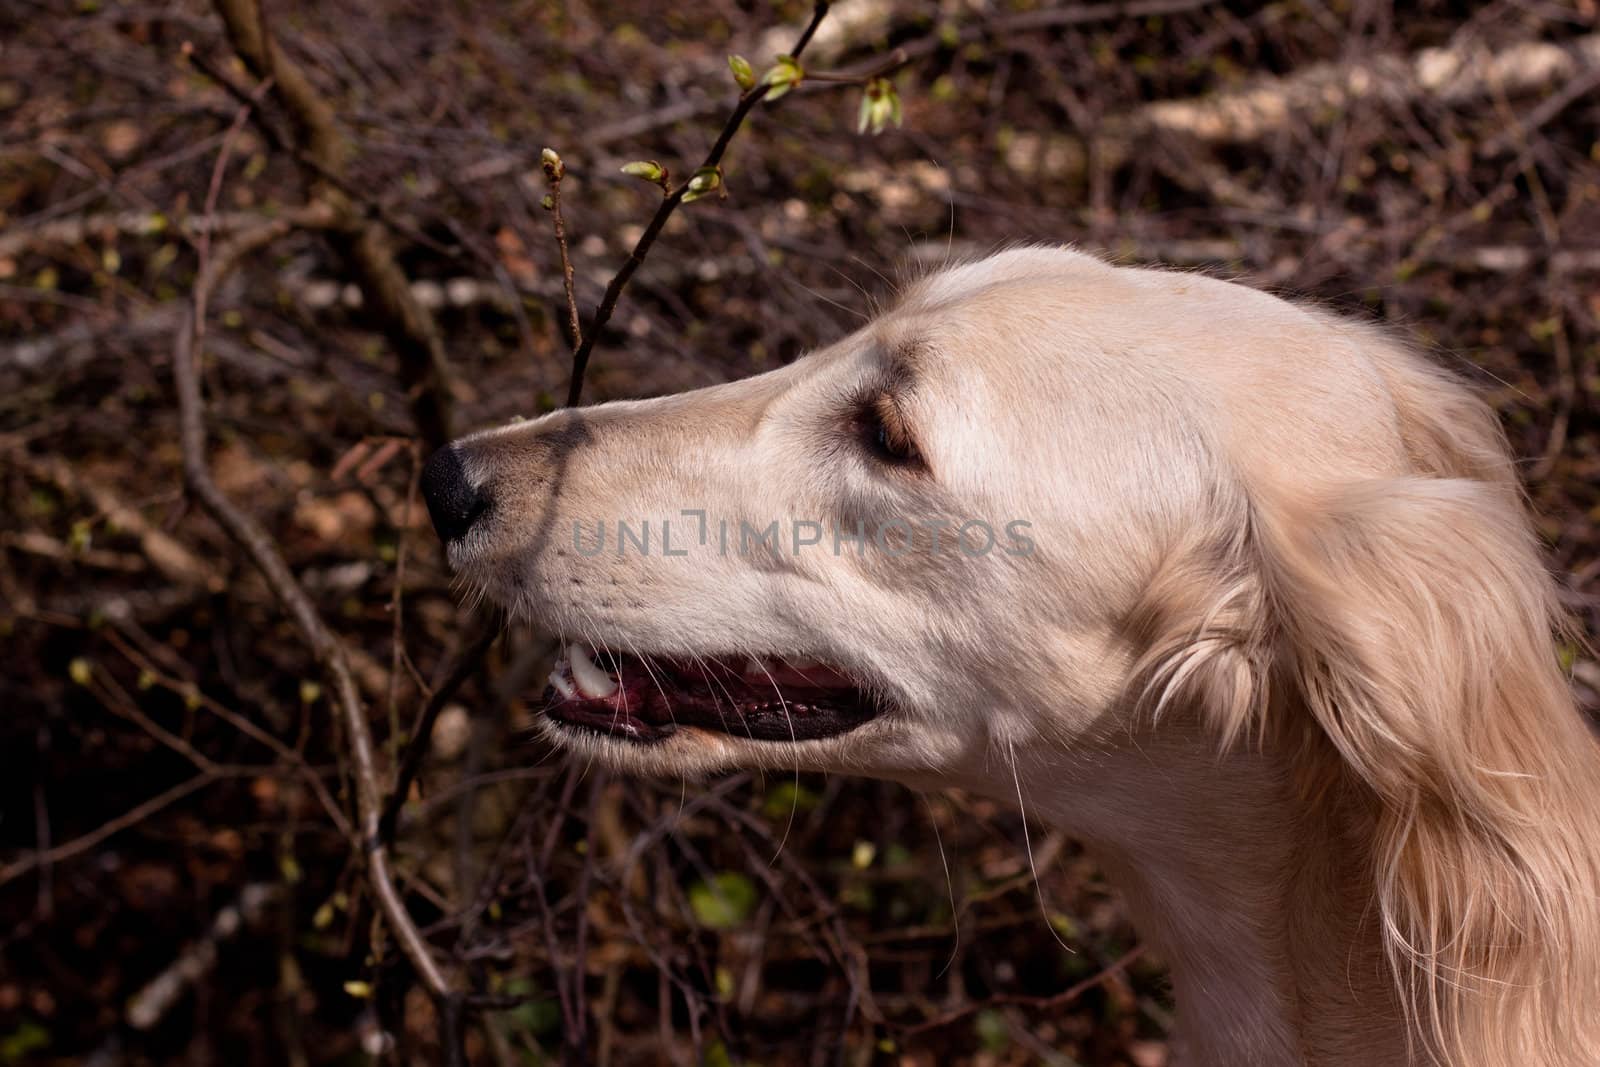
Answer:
(176, 803)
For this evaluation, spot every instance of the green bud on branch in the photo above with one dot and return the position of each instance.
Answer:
(553, 167)
(706, 180)
(880, 106)
(647, 170)
(783, 76)
(743, 73)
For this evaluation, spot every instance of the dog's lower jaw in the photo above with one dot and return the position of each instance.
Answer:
(690, 753)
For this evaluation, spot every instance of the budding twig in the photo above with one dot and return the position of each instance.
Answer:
(554, 171)
(641, 248)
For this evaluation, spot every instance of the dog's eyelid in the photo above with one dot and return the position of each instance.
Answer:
(879, 420)
(901, 367)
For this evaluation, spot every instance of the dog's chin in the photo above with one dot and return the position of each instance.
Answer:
(651, 702)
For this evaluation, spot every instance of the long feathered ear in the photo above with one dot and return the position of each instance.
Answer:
(1412, 622)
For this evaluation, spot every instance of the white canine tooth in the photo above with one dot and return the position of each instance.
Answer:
(561, 684)
(595, 683)
(753, 668)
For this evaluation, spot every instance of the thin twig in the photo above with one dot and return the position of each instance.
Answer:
(417, 746)
(324, 645)
(84, 843)
(158, 996)
(365, 246)
(554, 171)
(239, 722)
(219, 169)
(397, 637)
(1055, 1000)
(878, 68)
(641, 248)
(372, 209)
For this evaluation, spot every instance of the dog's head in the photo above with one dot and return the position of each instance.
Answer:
(935, 537)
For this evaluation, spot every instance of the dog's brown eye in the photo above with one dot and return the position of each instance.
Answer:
(886, 434)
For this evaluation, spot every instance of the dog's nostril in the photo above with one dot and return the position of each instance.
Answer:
(454, 503)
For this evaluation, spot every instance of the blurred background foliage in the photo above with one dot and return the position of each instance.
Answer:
(173, 887)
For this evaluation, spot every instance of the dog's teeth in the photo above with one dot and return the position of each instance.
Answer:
(562, 686)
(595, 683)
(800, 663)
(753, 669)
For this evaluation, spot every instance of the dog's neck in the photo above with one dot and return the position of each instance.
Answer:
(1253, 894)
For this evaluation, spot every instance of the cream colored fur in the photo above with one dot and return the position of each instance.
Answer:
(1283, 655)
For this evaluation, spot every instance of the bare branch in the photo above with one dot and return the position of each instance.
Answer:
(363, 244)
(325, 646)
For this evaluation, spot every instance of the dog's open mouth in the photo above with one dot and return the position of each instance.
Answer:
(648, 699)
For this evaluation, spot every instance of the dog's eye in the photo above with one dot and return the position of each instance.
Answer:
(885, 433)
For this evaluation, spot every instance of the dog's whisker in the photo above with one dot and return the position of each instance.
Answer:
(794, 805)
(1027, 841)
(645, 662)
(863, 316)
(949, 884)
(733, 704)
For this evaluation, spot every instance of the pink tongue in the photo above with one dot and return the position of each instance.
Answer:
(818, 677)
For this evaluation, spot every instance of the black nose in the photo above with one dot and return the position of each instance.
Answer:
(453, 503)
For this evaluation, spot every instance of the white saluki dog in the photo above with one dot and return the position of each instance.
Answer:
(1242, 595)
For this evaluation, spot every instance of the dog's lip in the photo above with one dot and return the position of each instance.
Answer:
(649, 698)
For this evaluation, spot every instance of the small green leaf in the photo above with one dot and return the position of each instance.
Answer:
(81, 536)
(20, 1044)
(646, 170)
(706, 180)
(533, 1016)
(1064, 925)
(80, 670)
(787, 798)
(743, 73)
(723, 902)
(782, 76)
(994, 1033)
(359, 990)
